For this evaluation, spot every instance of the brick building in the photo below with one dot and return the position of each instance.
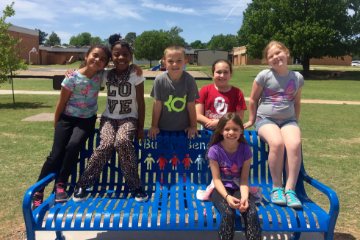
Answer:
(30, 40)
(61, 55)
(241, 58)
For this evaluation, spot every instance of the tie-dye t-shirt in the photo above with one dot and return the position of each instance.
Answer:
(230, 164)
(83, 99)
(278, 95)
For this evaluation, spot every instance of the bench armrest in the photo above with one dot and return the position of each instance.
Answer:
(331, 194)
(28, 216)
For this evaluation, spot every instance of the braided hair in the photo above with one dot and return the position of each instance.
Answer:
(117, 39)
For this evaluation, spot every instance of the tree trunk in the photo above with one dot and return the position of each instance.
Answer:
(306, 66)
(150, 63)
(12, 86)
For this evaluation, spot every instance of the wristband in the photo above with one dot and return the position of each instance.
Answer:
(226, 196)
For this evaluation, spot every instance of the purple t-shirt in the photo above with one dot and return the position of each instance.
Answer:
(230, 164)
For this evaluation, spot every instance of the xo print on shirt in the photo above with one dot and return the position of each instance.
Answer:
(124, 90)
(278, 97)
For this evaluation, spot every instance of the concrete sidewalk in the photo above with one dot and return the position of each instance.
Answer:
(166, 235)
(103, 94)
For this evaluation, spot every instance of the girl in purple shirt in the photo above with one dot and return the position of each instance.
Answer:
(230, 159)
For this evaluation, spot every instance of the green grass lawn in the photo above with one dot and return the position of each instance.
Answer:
(319, 86)
(73, 65)
(331, 144)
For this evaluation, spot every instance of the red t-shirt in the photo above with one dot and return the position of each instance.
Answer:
(216, 103)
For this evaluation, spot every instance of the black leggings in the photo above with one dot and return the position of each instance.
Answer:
(70, 136)
(227, 224)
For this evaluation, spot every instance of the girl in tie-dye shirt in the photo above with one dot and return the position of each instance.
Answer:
(74, 120)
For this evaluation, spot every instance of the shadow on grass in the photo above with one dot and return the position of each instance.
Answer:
(24, 105)
(333, 75)
(343, 236)
(325, 75)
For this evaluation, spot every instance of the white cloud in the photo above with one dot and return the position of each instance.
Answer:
(170, 24)
(217, 7)
(64, 36)
(232, 10)
(168, 8)
(31, 10)
(106, 9)
(77, 24)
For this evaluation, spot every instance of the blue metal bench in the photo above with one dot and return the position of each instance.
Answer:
(172, 192)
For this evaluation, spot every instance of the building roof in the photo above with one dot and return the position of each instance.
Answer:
(64, 49)
(23, 30)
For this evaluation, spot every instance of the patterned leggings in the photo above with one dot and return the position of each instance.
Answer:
(118, 134)
(227, 224)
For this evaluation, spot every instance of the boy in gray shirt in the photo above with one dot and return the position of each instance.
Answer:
(174, 94)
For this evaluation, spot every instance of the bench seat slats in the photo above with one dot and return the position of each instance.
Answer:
(172, 202)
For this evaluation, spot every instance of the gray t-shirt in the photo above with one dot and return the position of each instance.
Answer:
(174, 96)
(278, 95)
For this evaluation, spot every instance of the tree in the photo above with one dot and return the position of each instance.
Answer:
(65, 44)
(225, 42)
(10, 54)
(150, 45)
(310, 29)
(105, 42)
(174, 36)
(53, 39)
(42, 36)
(130, 37)
(95, 40)
(82, 39)
(198, 45)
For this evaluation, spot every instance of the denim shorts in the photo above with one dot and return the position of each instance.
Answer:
(279, 122)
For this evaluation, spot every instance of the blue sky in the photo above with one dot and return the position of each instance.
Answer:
(199, 19)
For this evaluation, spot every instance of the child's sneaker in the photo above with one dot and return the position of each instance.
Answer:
(278, 196)
(37, 200)
(140, 195)
(79, 195)
(292, 200)
(60, 193)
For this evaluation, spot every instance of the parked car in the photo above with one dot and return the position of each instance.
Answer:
(355, 63)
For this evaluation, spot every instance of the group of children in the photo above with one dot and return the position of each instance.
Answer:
(179, 106)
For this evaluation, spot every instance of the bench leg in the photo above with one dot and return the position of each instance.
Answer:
(30, 235)
(59, 235)
(329, 235)
(295, 235)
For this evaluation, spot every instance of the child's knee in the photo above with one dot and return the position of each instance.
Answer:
(277, 144)
(122, 143)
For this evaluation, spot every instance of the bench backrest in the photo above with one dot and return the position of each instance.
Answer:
(173, 147)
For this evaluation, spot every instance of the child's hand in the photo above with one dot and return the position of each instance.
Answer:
(191, 132)
(137, 69)
(152, 132)
(140, 134)
(233, 202)
(211, 125)
(69, 72)
(244, 204)
(248, 124)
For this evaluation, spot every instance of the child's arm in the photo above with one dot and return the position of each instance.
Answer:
(137, 69)
(297, 104)
(241, 114)
(215, 172)
(253, 103)
(60, 106)
(140, 134)
(244, 186)
(192, 129)
(154, 129)
(200, 117)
